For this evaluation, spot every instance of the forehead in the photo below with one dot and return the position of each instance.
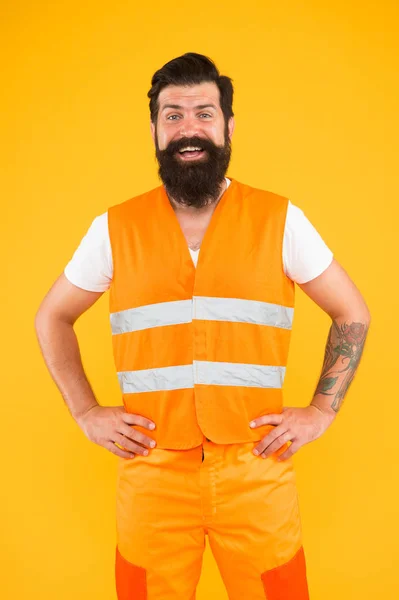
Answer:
(189, 96)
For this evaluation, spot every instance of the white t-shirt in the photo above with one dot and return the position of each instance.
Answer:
(305, 254)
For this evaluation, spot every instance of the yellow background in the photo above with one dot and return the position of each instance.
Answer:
(316, 104)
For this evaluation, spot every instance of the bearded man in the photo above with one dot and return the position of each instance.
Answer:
(201, 272)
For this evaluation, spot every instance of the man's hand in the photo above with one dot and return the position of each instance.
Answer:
(111, 425)
(296, 425)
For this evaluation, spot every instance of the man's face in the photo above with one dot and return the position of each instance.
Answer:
(191, 117)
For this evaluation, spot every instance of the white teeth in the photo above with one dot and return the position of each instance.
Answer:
(190, 148)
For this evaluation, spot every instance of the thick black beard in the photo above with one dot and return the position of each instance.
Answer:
(198, 183)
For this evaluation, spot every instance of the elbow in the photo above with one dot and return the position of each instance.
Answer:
(39, 320)
(365, 315)
(355, 317)
(354, 314)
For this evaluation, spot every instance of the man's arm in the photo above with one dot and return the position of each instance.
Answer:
(104, 425)
(54, 321)
(338, 296)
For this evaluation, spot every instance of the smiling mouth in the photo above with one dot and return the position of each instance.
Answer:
(191, 152)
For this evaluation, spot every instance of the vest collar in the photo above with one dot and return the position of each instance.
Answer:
(174, 222)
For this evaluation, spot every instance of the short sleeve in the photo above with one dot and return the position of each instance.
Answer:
(90, 267)
(305, 254)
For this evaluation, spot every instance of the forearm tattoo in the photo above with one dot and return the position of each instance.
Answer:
(342, 356)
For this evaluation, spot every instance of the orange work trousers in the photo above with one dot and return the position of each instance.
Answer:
(169, 501)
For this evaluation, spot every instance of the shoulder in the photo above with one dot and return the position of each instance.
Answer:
(305, 253)
(295, 217)
(132, 206)
(99, 226)
(250, 190)
(91, 264)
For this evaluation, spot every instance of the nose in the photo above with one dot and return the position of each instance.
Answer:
(189, 127)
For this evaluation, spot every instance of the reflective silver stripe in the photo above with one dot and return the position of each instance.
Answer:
(154, 380)
(201, 372)
(243, 311)
(238, 374)
(201, 307)
(152, 315)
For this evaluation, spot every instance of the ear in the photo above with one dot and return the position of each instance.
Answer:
(152, 128)
(231, 126)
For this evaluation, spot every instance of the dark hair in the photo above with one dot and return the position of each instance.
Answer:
(191, 69)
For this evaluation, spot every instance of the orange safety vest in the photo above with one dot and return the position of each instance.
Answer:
(201, 351)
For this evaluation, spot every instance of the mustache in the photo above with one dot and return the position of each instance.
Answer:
(205, 144)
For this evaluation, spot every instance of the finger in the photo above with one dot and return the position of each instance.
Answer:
(129, 445)
(269, 438)
(115, 450)
(294, 447)
(133, 434)
(133, 419)
(272, 419)
(283, 439)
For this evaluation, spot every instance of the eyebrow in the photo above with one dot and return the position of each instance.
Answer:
(198, 107)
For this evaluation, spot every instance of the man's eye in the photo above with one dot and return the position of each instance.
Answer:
(170, 117)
